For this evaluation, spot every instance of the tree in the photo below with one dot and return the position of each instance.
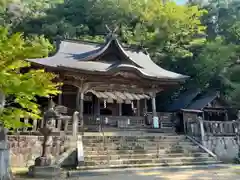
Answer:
(164, 29)
(168, 31)
(198, 39)
(223, 22)
(19, 86)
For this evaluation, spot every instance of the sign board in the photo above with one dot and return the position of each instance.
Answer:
(155, 122)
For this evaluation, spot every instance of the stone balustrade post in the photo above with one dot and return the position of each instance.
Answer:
(59, 124)
(34, 127)
(202, 131)
(75, 120)
(42, 123)
(66, 125)
(4, 155)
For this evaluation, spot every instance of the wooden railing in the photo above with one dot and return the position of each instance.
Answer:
(115, 121)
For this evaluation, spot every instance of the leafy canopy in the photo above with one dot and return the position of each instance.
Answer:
(20, 86)
(197, 39)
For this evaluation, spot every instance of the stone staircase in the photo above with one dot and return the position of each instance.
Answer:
(119, 151)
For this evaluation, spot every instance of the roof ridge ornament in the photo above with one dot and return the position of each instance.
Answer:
(111, 33)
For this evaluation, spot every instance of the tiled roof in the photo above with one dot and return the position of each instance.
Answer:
(202, 101)
(184, 100)
(82, 56)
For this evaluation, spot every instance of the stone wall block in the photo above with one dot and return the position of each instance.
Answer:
(226, 148)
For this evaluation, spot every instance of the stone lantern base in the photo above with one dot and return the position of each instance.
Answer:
(44, 168)
(44, 171)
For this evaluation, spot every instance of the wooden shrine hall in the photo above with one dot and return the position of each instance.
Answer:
(107, 81)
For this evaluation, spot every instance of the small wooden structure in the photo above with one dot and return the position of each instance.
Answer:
(195, 103)
(106, 82)
(209, 103)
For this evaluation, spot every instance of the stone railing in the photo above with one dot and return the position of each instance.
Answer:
(65, 123)
(61, 125)
(198, 129)
(222, 128)
(192, 128)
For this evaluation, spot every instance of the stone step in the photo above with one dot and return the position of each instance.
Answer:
(148, 165)
(137, 143)
(134, 138)
(143, 156)
(121, 138)
(141, 148)
(146, 161)
(90, 143)
(149, 151)
(133, 134)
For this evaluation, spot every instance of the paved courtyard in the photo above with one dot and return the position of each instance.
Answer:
(191, 173)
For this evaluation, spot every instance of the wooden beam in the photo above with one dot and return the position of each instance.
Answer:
(109, 77)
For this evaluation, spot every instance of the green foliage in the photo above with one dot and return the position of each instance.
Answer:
(198, 39)
(21, 88)
(213, 58)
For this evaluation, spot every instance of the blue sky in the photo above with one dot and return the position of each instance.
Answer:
(181, 1)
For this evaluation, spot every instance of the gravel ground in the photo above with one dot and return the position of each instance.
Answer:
(207, 173)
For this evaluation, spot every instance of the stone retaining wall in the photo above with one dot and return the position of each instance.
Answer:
(24, 148)
(226, 148)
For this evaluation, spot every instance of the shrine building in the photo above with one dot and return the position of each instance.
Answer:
(108, 82)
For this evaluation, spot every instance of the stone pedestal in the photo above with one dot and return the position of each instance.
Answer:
(43, 161)
(44, 171)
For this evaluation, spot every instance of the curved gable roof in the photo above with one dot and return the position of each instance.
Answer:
(82, 56)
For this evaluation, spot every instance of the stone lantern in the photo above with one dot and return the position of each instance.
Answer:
(43, 166)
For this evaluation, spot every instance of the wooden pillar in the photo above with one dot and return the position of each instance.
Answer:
(120, 109)
(77, 99)
(79, 107)
(97, 107)
(138, 108)
(60, 98)
(81, 112)
(154, 111)
(145, 105)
